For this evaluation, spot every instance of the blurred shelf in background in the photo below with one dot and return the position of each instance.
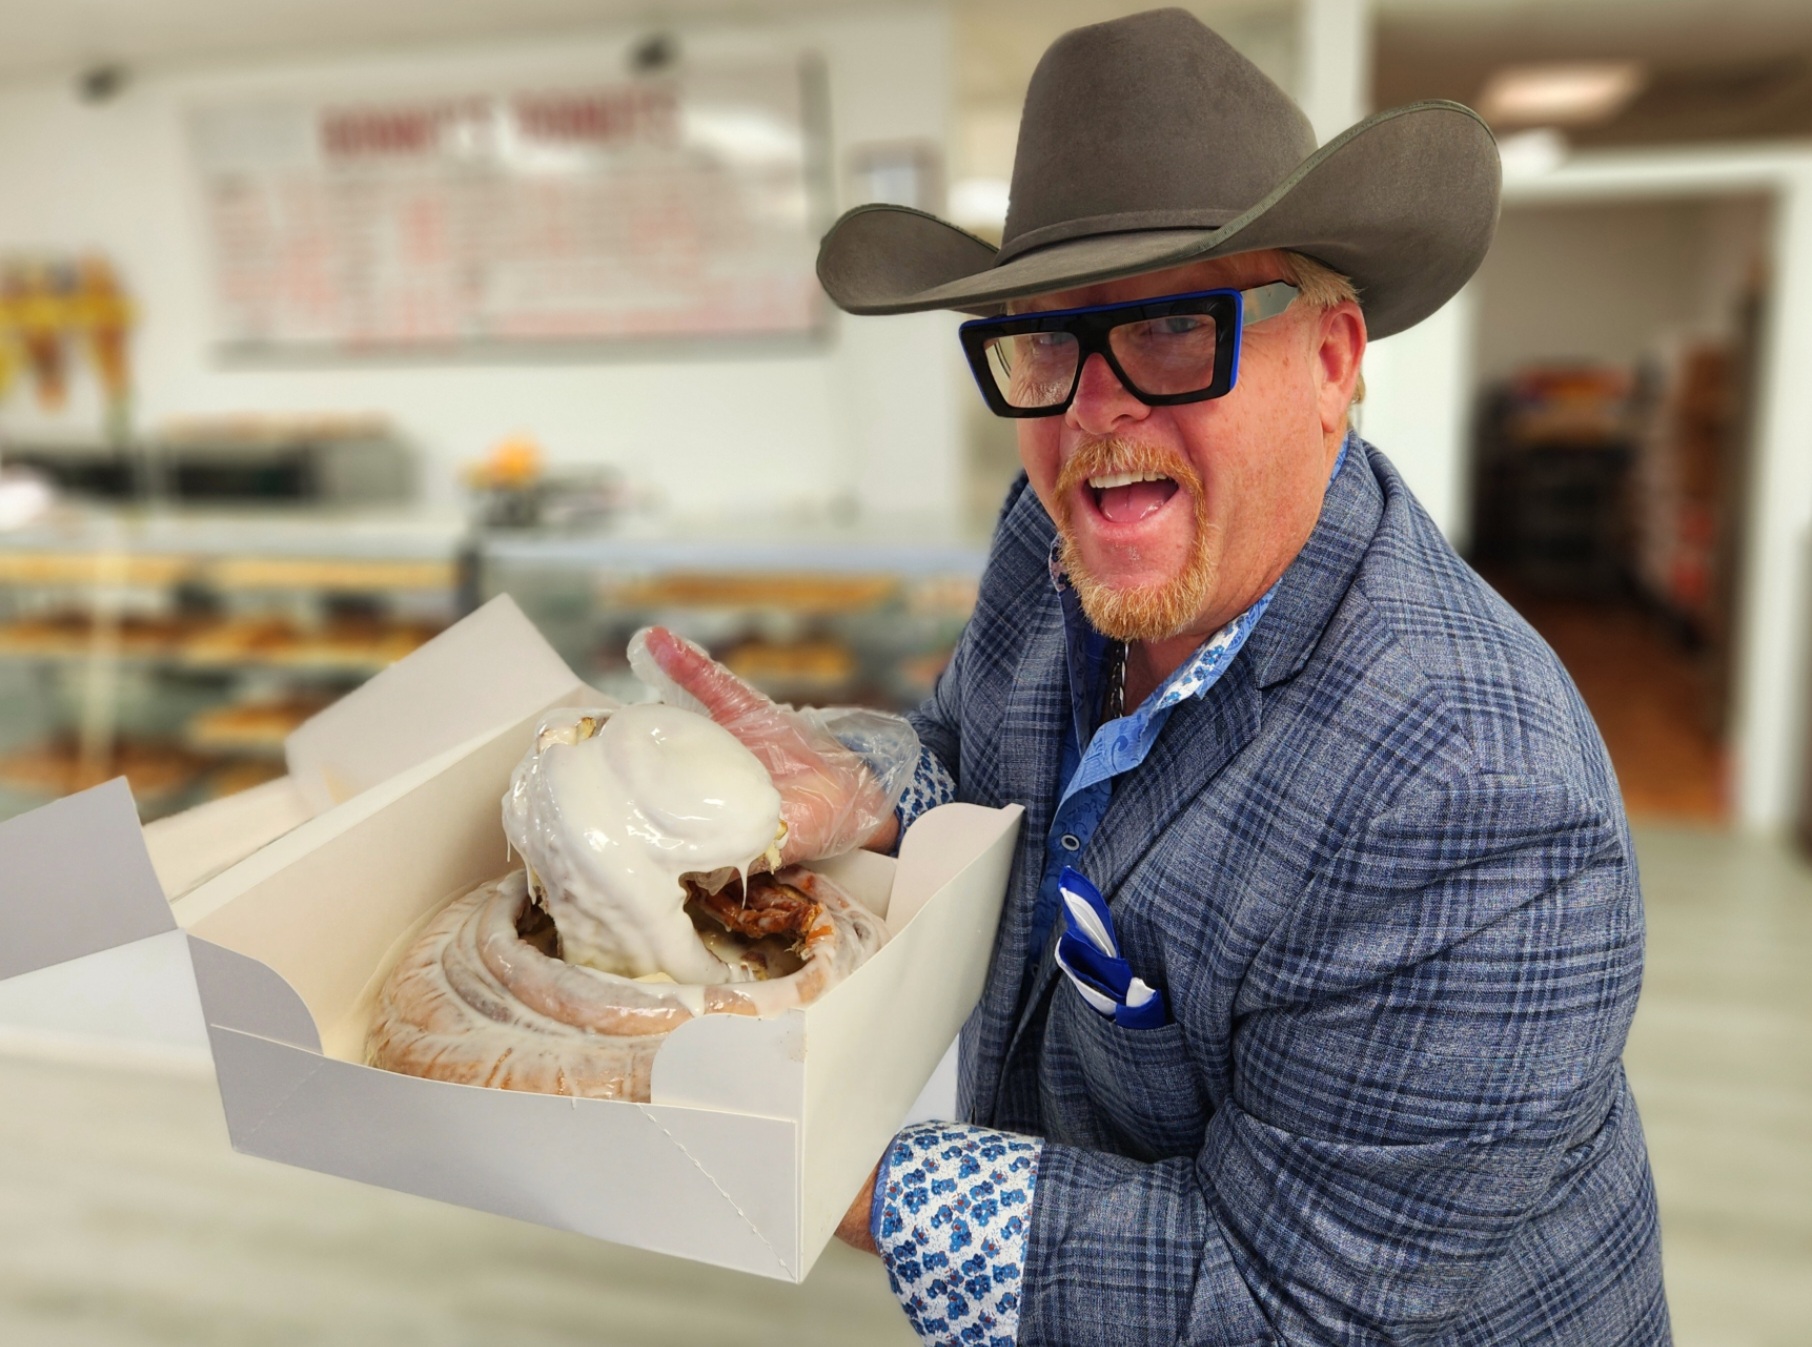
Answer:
(178, 647)
(811, 614)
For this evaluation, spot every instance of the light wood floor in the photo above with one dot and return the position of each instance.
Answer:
(1650, 697)
(1721, 1061)
(126, 1222)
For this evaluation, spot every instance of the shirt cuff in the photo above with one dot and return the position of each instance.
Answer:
(950, 1221)
(931, 785)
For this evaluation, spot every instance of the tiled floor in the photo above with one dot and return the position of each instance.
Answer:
(126, 1222)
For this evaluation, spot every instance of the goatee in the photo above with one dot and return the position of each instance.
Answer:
(1152, 612)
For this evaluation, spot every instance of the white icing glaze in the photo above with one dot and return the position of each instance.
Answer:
(609, 823)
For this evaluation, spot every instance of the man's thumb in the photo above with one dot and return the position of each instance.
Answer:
(723, 696)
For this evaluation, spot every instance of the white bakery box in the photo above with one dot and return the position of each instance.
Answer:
(292, 902)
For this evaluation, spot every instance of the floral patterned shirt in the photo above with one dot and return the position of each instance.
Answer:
(949, 1219)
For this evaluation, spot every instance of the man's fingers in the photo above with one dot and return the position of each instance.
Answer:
(725, 696)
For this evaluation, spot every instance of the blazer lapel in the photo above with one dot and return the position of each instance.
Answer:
(1029, 747)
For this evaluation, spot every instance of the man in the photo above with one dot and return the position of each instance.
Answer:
(1306, 1009)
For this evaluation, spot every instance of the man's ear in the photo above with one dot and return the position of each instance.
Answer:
(1341, 348)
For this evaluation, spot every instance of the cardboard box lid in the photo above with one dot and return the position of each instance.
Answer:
(91, 961)
(76, 879)
(489, 668)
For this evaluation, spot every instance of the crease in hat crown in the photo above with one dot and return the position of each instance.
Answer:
(1149, 142)
(1151, 122)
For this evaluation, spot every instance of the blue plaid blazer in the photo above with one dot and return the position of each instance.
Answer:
(1381, 871)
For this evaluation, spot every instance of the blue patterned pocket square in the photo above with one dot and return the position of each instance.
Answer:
(1089, 954)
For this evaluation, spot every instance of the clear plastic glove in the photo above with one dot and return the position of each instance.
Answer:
(840, 771)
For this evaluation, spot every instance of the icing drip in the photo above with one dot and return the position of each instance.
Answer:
(608, 822)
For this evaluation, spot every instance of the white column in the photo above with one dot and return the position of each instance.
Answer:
(1417, 383)
(1335, 42)
(1417, 390)
(1772, 632)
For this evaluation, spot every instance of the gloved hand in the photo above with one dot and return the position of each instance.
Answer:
(840, 771)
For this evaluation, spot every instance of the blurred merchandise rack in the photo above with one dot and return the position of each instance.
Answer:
(1551, 501)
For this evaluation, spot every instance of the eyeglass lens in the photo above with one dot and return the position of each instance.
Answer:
(1162, 356)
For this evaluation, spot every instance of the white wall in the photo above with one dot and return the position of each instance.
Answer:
(1415, 408)
(1605, 281)
(782, 428)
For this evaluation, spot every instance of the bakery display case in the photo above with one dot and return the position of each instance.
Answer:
(178, 649)
(814, 616)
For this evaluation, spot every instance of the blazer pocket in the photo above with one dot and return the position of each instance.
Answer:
(1142, 1084)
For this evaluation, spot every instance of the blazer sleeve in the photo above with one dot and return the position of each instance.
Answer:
(1420, 1046)
(937, 719)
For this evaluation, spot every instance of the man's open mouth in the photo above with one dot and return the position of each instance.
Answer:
(1128, 497)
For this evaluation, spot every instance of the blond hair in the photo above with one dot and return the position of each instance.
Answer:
(1323, 287)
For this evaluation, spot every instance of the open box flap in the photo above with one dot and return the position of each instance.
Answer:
(905, 1005)
(199, 843)
(75, 879)
(243, 993)
(488, 668)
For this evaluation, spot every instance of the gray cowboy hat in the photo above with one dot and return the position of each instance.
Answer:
(1147, 143)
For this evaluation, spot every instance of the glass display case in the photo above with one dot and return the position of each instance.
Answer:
(179, 650)
(819, 617)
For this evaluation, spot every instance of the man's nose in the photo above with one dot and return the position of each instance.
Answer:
(1101, 400)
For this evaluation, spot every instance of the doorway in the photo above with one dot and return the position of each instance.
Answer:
(1614, 382)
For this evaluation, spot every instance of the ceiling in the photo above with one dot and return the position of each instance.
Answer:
(57, 36)
(1717, 69)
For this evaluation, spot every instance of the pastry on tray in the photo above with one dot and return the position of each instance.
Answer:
(821, 667)
(232, 639)
(809, 592)
(254, 725)
(56, 767)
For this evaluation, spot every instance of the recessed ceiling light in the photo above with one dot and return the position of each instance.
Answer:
(1529, 154)
(979, 203)
(1572, 94)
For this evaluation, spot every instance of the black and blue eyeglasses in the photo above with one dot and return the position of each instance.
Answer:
(1169, 350)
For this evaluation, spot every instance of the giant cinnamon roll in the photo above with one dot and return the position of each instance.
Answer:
(635, 912)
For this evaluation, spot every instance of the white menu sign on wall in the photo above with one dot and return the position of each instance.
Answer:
(671, 205)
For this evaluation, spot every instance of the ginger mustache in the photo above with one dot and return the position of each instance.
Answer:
(1147, 612)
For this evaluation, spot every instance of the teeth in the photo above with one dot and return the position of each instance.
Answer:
(1113, 479)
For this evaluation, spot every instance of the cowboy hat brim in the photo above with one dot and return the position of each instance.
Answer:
(1404, 204)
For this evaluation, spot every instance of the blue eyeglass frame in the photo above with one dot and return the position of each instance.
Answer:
(1232, 310)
